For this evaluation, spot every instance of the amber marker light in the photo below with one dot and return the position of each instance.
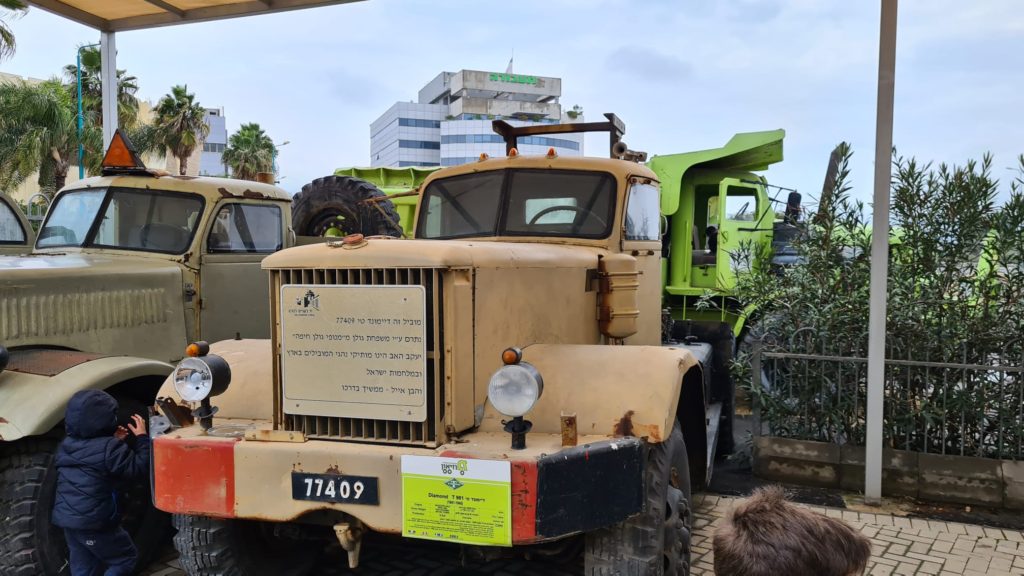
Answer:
(552, 153)
(120, 154)
(483, 156)
(511, 356)
(196, 349)
(513, 153)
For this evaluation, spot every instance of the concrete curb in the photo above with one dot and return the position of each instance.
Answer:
(942, 478)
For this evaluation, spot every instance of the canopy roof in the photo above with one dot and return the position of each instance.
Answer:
(118, 15)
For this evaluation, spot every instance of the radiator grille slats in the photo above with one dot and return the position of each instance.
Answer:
(372, 430)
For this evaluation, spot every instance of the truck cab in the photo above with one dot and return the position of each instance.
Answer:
(128, 267)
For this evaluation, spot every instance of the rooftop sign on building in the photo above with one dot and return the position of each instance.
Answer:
(513, 78)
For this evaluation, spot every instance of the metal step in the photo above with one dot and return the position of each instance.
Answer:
(713, 419)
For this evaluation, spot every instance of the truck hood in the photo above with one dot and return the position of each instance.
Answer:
(98, 303)
(395, 253)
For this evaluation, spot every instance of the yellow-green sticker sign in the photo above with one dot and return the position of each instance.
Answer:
(457, 500)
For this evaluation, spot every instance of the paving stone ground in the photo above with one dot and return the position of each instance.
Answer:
(900, 545)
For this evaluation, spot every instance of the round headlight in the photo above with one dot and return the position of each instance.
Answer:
(515, 388)
(198, 378)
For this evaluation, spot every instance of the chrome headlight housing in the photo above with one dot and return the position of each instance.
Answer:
(198, 378)
(515, 388)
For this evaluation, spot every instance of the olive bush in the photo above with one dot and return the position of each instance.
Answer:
(955, 314)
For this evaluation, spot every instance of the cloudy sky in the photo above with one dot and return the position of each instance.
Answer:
(683, 75)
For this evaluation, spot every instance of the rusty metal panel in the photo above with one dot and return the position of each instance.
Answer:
(570, 436)
(194, 475)
(48, 362)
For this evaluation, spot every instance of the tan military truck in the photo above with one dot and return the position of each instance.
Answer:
(127, 269)
(498, 381)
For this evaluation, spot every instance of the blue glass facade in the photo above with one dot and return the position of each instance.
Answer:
(495, 139)
(419, 144)
(419, 123)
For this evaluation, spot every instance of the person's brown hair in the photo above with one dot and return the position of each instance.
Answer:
(768, 536)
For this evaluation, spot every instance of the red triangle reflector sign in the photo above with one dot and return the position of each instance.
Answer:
(120, 154)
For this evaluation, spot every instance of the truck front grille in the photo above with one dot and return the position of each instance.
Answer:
(360, 429)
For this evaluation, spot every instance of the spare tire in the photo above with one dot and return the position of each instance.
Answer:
(363, 207)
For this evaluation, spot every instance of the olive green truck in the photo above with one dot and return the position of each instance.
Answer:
(127, 269)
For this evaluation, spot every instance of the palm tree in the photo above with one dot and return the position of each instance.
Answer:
(249, 152)
(6, 34)
(181, 124)
(92, 92)
(38, 132)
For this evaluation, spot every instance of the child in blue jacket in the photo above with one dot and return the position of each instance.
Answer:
(93, 460)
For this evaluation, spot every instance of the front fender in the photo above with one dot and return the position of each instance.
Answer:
(33, 403)
(251, 392)
(613, 390)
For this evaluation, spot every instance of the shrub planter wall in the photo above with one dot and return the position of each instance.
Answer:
(942, 478)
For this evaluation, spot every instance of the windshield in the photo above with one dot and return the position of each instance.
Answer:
(519, 203)
(123, 218)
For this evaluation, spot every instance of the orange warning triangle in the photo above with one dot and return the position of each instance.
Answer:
(120, 154)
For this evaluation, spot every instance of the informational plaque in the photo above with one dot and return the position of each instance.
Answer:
(354, 351)
(457, 500)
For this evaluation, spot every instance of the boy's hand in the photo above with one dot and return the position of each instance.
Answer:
(137, 425)
(121, 433)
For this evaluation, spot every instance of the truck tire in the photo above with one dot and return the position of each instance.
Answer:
(365, 209)
(655, 542)
(29, 543)
(220, 547)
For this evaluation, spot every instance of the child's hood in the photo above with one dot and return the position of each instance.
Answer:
(90, 414)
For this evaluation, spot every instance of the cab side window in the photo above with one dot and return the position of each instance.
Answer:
(250, 228)
(11, 231)
(643, 213)
(740, 204)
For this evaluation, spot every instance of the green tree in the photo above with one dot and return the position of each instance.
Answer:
(180, 124)
(249, 152)
(7, 44)
(92, 92)
(38, 132)
(141, 135)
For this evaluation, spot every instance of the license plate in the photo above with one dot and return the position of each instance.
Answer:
(335, 488)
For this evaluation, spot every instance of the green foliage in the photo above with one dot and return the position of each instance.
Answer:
(8, 8)
(92, 92)
(180, 124)
(249, 152)
(38, 132)
(956, 298)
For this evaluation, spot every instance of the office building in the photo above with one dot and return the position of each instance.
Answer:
(450, 123)
(211, 161)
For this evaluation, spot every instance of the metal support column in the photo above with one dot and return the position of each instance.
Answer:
(108, 83)
(880, 254)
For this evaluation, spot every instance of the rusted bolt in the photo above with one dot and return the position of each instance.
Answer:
(569, 432)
